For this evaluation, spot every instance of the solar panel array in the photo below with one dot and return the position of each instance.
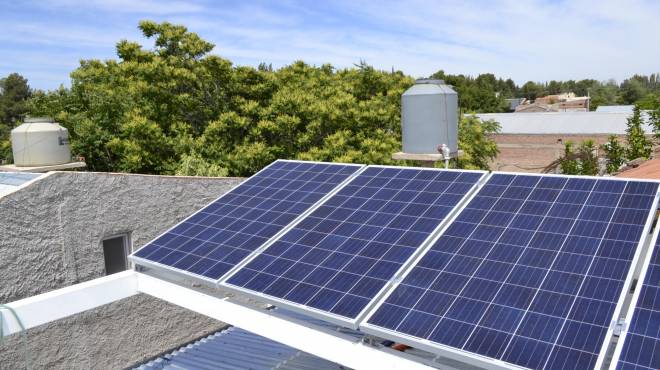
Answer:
(641, 347)
(529, 273)
(214, 240)
(341, 255)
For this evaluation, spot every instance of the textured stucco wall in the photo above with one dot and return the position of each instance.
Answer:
(51, 236)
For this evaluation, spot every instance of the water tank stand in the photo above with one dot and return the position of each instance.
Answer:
(40, 169)
(425, 160)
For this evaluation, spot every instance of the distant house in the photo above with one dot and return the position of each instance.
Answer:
(535, 108)
(579, 104)
(556, 103)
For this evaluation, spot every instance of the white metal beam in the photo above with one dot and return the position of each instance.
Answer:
(58, 304)
(354, 354)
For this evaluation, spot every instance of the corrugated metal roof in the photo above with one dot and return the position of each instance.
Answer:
(320, 323)
(235, 348)
(576, 123)
(615, 108)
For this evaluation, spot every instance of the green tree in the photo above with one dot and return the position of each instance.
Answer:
(603, 94)
(532, 90)
(638, 145)
(14, 95)
(588, 159)
(555, 87)
(177, 109)
(482, 94)
(479, 149)
(632, 90)
(569, 163)
(650, 102)
(140, 113)
(615, 154)
(580, 161)
(195, 165)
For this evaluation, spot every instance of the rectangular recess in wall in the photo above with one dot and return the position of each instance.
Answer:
(115, 252)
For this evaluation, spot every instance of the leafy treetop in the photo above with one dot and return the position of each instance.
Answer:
(178, 109)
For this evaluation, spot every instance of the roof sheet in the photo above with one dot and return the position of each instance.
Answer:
(561, 122)
(235, 348)
(615, 108)
(647, 170)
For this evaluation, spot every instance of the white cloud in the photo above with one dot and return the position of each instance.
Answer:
(127, 6)
(531, 40)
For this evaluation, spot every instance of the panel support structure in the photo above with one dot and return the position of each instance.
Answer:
(58, 304)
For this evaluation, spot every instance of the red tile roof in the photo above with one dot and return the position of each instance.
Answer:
(647, 170)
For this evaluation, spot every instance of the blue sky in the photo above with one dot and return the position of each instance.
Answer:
(523, 40)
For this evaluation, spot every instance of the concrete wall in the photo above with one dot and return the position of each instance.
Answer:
(51, 236)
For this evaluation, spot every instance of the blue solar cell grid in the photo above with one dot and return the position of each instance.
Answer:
(641, 346)
(529, 273)
(212, 241)
(341, 255)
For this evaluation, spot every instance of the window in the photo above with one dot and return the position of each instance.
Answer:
(115, 250)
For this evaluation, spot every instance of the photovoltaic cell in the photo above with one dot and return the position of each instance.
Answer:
(10, 181)
(641, 346)
(16, 178)
(341, 255)
(213, 240)
(529, 273)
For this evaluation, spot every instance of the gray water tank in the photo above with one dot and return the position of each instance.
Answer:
(429, 117)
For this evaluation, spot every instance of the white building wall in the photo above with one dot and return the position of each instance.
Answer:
(567, 123)
(51, 238)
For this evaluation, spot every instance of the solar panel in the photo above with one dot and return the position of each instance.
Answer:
(214, 240)
(16, 178)
(639, 346)
(10, 181)
(338, 258)
(531, 272)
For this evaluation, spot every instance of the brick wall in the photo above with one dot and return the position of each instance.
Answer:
(532, 153)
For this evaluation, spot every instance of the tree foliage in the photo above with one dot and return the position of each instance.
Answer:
(14, 95)
(569, 164)
(638, 89)
(176, 109)
(481, 94)
(474, 138)
(615, 154)
(639, 146)
(580, 161)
